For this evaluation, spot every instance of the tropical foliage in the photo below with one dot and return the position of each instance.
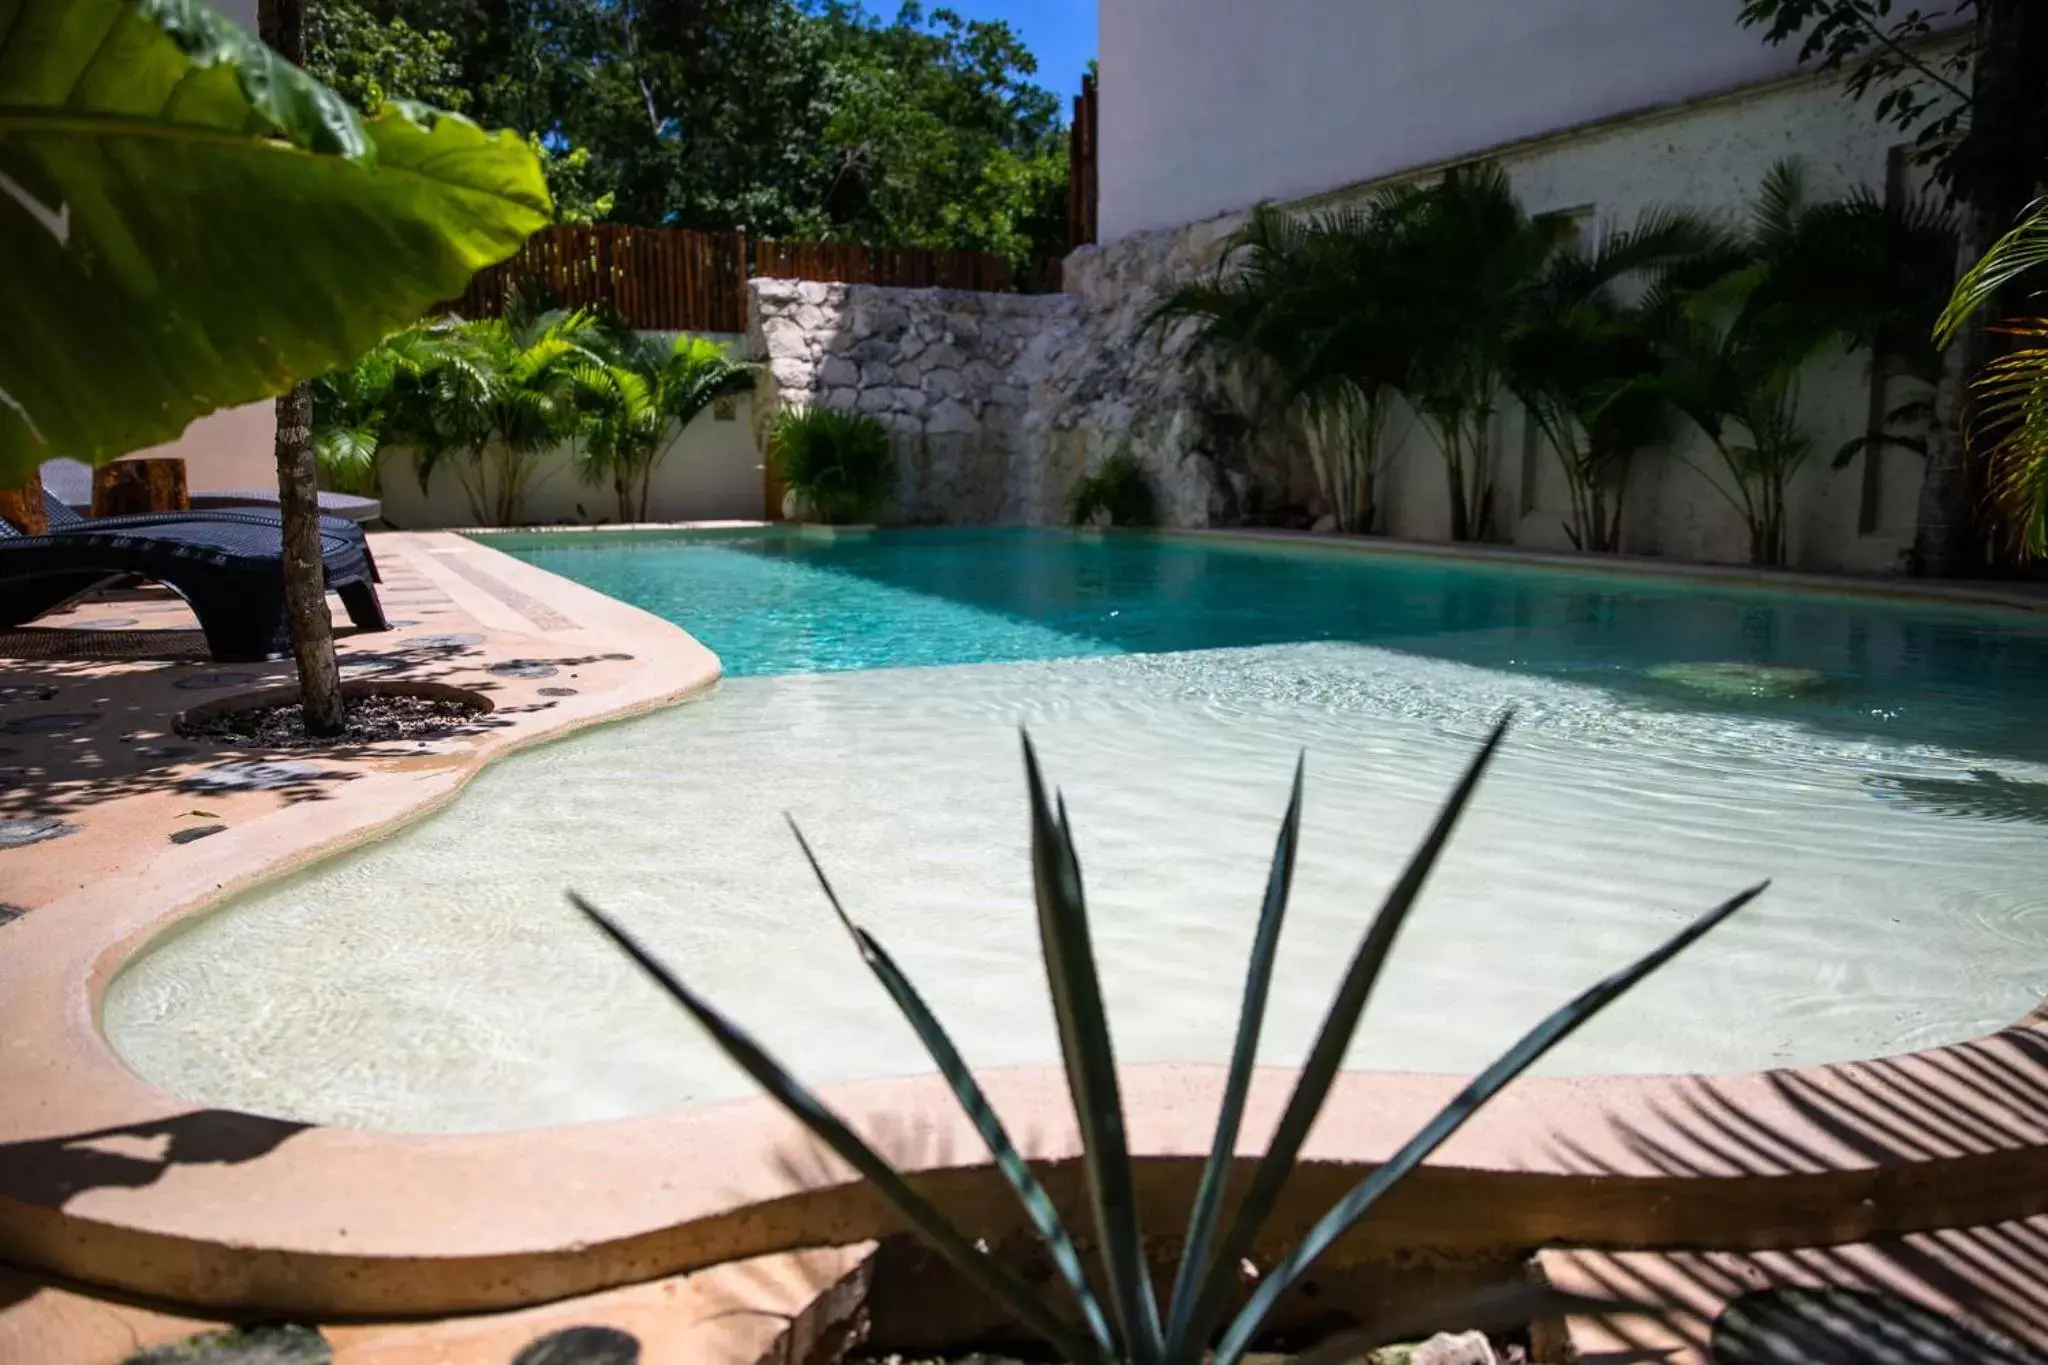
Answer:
(2013, 390)
(841, 466)
(786, 118)
(635, 395)
(1450, 297)
(1120, 1321)
(1804, 278)
(189, 222)
(1119, 491)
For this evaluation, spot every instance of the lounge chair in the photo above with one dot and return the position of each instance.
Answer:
(228, 566)
(63, 518)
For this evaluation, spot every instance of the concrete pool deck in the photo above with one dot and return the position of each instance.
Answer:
(107, 1181)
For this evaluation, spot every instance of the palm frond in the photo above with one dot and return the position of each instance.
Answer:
(2020, 252)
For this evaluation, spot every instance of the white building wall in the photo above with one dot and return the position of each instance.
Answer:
(1213, 105)
(711, 472)
(1710, 156)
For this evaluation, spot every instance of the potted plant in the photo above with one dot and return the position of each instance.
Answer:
(839, 467)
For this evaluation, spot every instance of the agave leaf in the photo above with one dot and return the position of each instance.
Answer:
(190, 222)
(1320, 1070)
(1491, 1309)
(1559, 1026)
(983, 1271)
(1203, 1220)
(1091, 1069)
(1037, 1203)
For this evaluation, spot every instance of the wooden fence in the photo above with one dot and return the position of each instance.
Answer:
(1082, 182)
(677, 279)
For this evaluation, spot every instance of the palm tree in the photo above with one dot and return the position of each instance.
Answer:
(2012, 390)
(1804, 278)
(1584, 365)
(1297, 305)
(1464, 256)
(635, 394)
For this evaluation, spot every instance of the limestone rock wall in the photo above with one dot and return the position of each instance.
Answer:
(1000, 402)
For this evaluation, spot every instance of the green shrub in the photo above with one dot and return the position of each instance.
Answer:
(1121, 1321)
(1119, 487)
(840, 465)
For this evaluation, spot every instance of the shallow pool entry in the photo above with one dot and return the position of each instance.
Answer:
(438, 981)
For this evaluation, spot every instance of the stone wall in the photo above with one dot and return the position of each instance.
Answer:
(1001, 402)
(943, 369)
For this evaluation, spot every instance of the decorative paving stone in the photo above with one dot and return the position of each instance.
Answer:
(284, 1345)
(616, 658)
(251, 777)
(33, 830)
(18, 693)
(1850, 1327)
(204, 682)
(558, 691)
(196, 833)
(444, 642)
(582, 1346)
(55, 723)
(166, 751)
(523, 668)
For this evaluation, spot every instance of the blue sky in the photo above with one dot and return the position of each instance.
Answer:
(1060, 33)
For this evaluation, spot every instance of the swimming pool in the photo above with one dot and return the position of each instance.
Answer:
(1896, 793)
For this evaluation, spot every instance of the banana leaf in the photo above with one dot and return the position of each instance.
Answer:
(189, 222)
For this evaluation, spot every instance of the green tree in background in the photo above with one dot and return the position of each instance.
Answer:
(368, 60)
(808, 119)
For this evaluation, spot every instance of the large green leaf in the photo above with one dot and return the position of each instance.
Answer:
(190, 222)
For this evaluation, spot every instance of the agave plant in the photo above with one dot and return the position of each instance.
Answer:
(632, 394)
(2012, 393)
(1120, 1321)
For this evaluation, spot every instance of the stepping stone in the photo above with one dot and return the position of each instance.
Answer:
(1737, 681)
(55, 723)
(251, 777)
(558, 691)
(18, 693)
(166, 751)
(202, 682)
(444, 642)
(34, 830)
(286, 1345)
(582, 1346)
(196, 833)
(1850, 1327)
(616, 658)
(523, 668)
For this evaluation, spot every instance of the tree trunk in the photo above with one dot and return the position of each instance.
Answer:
(305, 584)
(1999, 171)
(282, 25)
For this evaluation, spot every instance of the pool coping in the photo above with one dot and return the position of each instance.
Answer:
(107, 1180)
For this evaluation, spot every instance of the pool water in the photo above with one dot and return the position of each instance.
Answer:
(436, 981)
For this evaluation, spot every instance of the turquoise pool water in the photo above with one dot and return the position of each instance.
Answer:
(437, 981)
(783, 604)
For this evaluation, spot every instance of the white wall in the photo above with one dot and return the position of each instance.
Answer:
(1212, 105)
(711, 472)
(1709, 157)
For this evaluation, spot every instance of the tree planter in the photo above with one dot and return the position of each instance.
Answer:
(903, 1301)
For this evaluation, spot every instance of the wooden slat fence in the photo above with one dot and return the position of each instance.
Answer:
(658, 279)
(1082, 183)
(678, 279)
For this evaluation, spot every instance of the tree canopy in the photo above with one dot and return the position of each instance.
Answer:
(812, 119)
